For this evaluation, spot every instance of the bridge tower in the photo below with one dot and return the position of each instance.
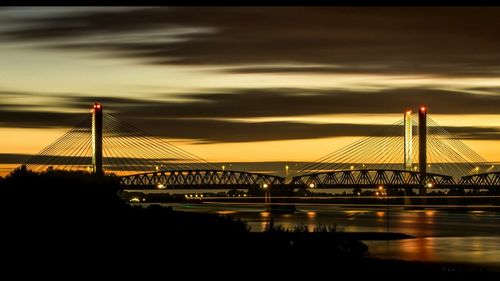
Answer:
(97, 138)
(408, 141)
(422, 148)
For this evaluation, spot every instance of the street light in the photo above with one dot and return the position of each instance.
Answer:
(223, 167)
(266, 193)
(286, 171)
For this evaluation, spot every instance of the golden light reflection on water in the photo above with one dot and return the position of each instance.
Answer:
(473, 249)
(265, 214)
(226, 212)
(441, 237)
(430, 213)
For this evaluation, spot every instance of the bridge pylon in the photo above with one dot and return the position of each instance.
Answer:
(408, 140)
(422, 148)
(97, 138)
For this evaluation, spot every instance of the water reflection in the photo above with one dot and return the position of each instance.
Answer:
(476, 249)
(441, 235)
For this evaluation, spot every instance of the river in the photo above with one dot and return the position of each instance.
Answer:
(440, 236)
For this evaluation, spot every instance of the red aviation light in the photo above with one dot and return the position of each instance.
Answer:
(422, 108)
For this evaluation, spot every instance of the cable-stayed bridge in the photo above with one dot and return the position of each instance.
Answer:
(412, 153)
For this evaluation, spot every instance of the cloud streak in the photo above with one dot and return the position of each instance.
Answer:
(459, 41)
(205, 117)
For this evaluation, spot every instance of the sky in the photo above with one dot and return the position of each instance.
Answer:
(237, 84)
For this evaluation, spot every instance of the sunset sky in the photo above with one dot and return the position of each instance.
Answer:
(248, 84)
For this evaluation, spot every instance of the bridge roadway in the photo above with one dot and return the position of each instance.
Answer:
(342, 179)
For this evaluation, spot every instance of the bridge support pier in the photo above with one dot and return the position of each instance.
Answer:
(97, 138)
(279, 198)
(422, 149)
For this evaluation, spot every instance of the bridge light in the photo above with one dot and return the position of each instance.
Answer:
(352, 167)
(265, 185)
(380, 187)
(223, 167)
(311, 185)
(422, 108)
(429, 185)
(376, 193)
(160, 186)
(408, 112)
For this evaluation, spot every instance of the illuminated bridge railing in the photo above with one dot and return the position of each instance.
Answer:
(198, 179)
(370, 178)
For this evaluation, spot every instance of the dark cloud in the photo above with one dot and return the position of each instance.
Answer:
(432, 40)
(39, 119)
(214, 131)
(13, 158)
(242, 103)
(245, 103)
(204, 117)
